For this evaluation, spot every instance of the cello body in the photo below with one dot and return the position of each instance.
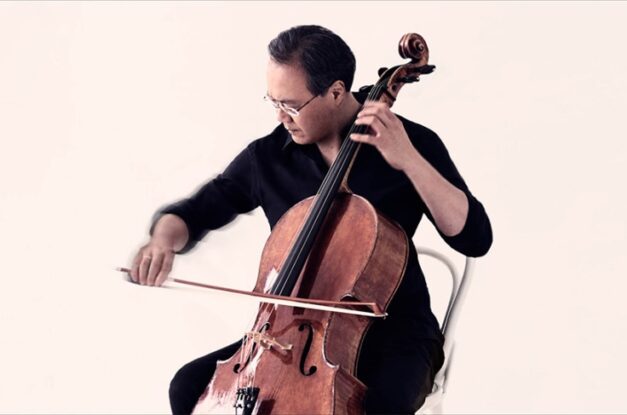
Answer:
(317, 374)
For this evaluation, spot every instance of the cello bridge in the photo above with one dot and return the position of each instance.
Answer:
(265, 341)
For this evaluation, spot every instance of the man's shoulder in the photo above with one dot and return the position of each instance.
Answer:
(419, 134)
(426, 141)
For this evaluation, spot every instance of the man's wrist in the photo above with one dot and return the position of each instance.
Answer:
(170, 232)
(411, 162)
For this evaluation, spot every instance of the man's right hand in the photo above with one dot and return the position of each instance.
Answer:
(153, 262)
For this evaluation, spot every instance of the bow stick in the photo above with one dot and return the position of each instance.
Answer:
(313, 304)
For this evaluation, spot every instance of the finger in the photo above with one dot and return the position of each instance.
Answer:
(144, 266)
(375, 104)
(155, 267)
(362, 138)
(135, 267)
(375, 108)
(166, 267)
(386, 120)
(367, 117)
(373, 122)
(380, 110)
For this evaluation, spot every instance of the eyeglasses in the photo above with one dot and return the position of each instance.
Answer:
(287, 109)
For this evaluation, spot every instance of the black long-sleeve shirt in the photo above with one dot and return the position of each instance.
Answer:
(275, 173)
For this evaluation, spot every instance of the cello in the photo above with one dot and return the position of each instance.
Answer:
(331, 248)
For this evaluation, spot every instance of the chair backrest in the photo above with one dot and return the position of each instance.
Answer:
(459, 291)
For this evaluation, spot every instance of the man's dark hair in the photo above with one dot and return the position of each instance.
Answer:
(323, 55)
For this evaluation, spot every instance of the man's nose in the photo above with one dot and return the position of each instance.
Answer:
(282, 116)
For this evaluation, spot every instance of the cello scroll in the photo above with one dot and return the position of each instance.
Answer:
(411, 46)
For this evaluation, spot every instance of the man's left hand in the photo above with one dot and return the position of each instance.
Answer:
(387, 134)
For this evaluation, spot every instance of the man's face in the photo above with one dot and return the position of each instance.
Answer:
(288, 84)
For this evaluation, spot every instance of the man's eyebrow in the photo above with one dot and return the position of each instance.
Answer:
(285, 101)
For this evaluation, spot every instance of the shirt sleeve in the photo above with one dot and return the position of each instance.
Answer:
(218, 201)
(475, 238)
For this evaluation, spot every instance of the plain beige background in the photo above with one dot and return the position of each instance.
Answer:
(110, 110)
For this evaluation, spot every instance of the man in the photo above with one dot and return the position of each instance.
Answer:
(403, 169)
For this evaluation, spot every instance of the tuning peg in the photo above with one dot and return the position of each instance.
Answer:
(426, 69)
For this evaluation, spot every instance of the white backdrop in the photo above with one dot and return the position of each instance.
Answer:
(110, 110)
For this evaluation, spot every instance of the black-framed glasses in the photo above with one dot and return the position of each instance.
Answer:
(286, 108)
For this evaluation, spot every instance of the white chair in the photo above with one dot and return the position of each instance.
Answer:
(433, 402)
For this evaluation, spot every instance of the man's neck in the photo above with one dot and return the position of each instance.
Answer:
(346, 114)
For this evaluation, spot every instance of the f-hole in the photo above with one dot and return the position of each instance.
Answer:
(303, 357)
(239, 366)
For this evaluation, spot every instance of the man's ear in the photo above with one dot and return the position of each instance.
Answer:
(337, 89)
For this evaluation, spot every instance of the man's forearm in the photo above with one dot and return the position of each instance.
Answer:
(448, 204)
